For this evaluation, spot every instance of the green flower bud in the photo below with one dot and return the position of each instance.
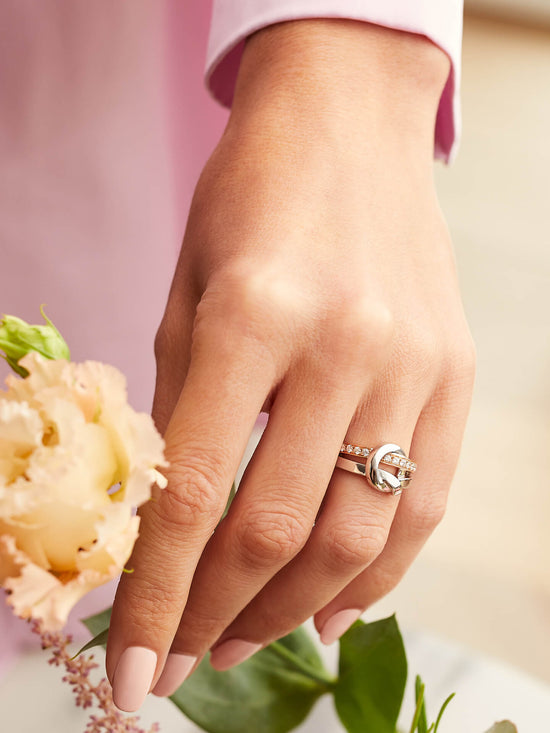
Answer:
(17, 338)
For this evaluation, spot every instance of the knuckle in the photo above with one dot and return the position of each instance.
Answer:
(363, 331)
(259, 307)
(193, 496)
(197, 626)
(268, 539)
(142, 603)
(353, 547)
(374, 320)
(253, 292)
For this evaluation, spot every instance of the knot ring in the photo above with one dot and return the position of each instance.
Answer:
(379, 478)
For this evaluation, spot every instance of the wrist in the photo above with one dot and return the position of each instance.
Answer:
(355, 85)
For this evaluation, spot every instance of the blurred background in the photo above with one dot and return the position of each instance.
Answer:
(491, 553)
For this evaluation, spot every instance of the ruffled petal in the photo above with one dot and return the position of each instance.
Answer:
(116, 534)
(20, 426)
(35, 593)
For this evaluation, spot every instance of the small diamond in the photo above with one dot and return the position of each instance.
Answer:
(349, 448)
(357, 450)
(395, 460)
(365, 452)
(343, 448)
(403, 462)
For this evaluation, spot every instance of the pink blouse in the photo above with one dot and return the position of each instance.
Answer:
(105, 126)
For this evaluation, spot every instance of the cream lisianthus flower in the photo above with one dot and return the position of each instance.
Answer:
(75, 459)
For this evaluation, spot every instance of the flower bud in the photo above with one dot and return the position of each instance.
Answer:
(18, 338)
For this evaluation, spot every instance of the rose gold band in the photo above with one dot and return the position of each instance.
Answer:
(388, 454)
(392, 459)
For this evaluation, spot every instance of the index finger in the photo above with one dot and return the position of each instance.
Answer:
(223, 393)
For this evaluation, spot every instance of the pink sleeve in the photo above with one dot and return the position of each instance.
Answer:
(439, 20)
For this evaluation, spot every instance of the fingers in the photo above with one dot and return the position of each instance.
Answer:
(226, 384)
(363, 541)
(270, 519)
(350, 532)
(435, 447)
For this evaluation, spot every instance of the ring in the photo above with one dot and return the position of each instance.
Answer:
(395, 458)
(377, 477)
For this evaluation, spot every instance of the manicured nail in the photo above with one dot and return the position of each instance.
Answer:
(175, 672)
(232, 652)
(133, 676)
(338, 624)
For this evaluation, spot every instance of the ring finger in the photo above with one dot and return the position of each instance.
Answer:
(436, 446)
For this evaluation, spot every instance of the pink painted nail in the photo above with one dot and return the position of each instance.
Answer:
(232, 652)
(175, 672)
(338, 624)
(133, 676)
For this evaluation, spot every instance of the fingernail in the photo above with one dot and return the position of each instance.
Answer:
(338, 624)
(232, 652)
(133, 676)
(175, 672)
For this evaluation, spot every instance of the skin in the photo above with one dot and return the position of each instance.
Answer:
(316, 281)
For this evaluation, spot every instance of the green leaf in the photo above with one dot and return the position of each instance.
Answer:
(503, 727)
(300, 645)
(420, 722)
(99, 640)
(99, 622)
(98, 625)
(272, 692)
(298, 649)
(443, 708)
(373, 673)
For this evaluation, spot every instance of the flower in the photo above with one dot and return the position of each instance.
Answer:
(75, 459)
(17, 338)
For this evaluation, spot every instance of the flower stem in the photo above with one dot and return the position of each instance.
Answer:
(326, 680)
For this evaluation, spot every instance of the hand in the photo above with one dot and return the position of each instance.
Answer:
(316, 281)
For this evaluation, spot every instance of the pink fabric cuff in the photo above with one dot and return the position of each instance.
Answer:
(438, 20)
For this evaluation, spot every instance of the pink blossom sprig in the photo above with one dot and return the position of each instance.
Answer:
(86, 692)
